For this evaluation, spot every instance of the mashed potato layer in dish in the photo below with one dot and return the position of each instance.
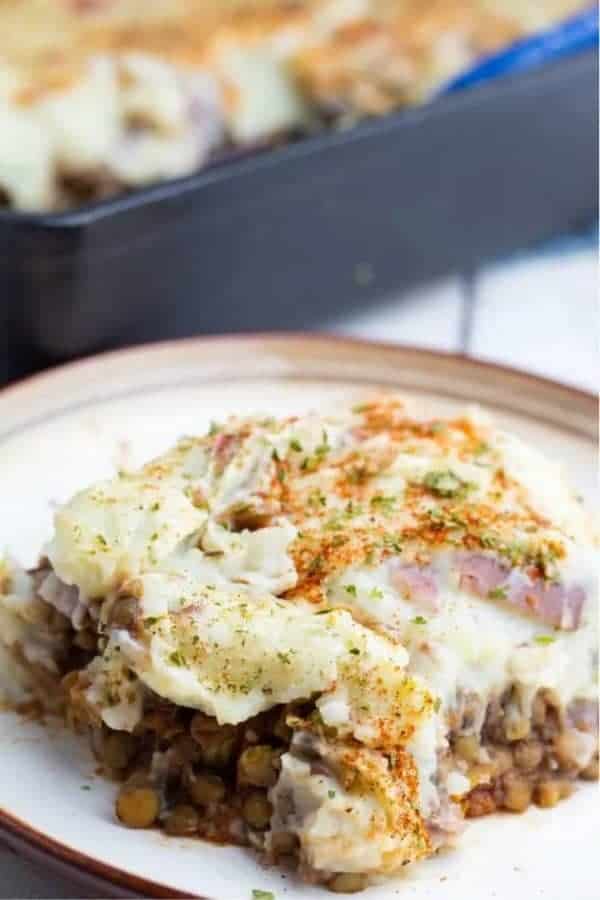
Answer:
(332, 639)
(102, 96)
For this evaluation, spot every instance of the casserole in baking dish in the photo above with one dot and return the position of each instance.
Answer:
(102, 96)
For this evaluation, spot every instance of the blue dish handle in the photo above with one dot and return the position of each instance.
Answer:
(573, 36)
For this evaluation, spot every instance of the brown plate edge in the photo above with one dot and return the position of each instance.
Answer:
(581, 405)
(37, 846)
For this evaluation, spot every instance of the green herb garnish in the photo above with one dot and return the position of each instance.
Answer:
(385, 504)
(323, 448)
(392, 543)
(446, 484)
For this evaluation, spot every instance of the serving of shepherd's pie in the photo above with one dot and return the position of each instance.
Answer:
(330, 638)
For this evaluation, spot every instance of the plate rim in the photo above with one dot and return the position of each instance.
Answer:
(37, 846)
(274, 338)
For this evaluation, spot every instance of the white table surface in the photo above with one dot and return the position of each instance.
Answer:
(537, 313)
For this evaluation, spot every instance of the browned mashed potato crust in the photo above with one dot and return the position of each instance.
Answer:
(341, 60)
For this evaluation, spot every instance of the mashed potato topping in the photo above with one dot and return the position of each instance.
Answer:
(234, 654)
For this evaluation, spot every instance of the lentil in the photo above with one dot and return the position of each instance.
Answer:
(528, 755)
(216, 742)
(347, 883)
(502, 760)
(467, 747)
(137, 806)
(566, 749)
(118, 749)
(547, 793)
(257, 810)
(182, 820)
(516, 792)
(205, 788)
(186, 750)
(258, 766)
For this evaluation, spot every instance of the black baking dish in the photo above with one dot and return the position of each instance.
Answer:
(290, 236)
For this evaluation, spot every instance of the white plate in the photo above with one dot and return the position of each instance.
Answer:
(61, 430)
